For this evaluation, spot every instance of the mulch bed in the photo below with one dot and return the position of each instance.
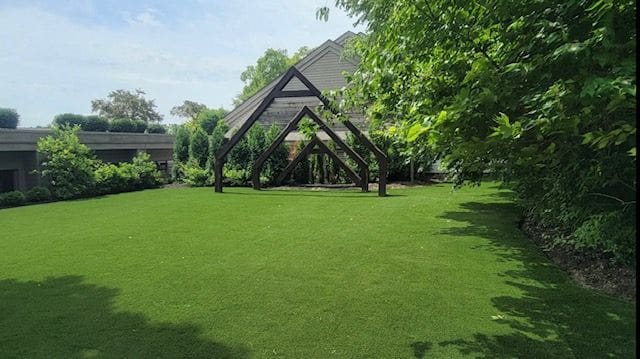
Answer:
(588, 269)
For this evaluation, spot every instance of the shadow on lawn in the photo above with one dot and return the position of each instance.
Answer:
(552, 317)
(65, 318)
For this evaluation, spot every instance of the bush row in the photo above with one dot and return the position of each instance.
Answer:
(100, 124)
(70, 170)
(8, 118)
(17, 198)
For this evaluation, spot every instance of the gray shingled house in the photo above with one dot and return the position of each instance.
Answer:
(324, 67)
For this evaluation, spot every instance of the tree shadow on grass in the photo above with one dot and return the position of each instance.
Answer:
(552, 317)
(65, 318)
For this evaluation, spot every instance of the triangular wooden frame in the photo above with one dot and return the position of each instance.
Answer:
(278, 92)
(292, 125)
(306, 151)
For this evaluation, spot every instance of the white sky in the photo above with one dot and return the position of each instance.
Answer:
(58, 55)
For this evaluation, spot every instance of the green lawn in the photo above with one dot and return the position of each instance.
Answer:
(424, 273)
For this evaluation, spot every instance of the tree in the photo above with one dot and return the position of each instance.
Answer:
(8, 118)
(181, 146)
(199, 147)
(128, 105)
(268, 67)
(188, 109)
(541, 94)
(207, 119)
(279, 158)
(68, 119)
(216, 140)
(67, 165)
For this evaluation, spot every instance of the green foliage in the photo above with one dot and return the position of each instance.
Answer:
(279, 158)
(236, 177)
(199, 147)
(12, 199)
(95, 123)
(216, 140)
(208, 119)
(301, 171)
(67, 165)
(195, 175)
(127, 125)
(127, 104)
(244, 154)
(141, 173)
(8, 118)
(188, 109)
(69, 119)
(38, 194)
(156, 128)
(541, 94)
(181, 146)
(267, 68)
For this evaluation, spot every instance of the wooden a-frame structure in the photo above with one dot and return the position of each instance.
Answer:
(279, 92)
(292, 125)
(307, 150)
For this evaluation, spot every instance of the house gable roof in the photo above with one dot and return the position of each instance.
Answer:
(237, 116)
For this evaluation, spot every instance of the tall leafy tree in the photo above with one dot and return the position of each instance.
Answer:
(268, 67)
(208, 119)
(127, 104)
(541, 93)
(199, 147)
(188, 109)
(8, 118)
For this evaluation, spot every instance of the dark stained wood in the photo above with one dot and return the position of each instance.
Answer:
(278, 91)
(294, 93)
(354, 177)
(308, 149)
(292, 125)
(299, 157)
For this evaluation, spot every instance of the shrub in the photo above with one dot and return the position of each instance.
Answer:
(208, 119)
(95, 124)
(141, 173)
(12, 199)
(156, 128)
(67, 165)
(194, 175)
(216, 140)
(236, 177)
(199, 147)
(38, 194)
(69, 119)
(279, 158)
(8, 118)
(180, 151)
(127, 125)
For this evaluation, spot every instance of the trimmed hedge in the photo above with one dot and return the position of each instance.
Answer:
(69, 119)
(12, 199)
(156, 128)
(8, 118)
(95, 124)
(127, 125)
(38, 194)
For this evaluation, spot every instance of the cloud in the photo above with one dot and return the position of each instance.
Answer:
(148, 18)
(69, 55)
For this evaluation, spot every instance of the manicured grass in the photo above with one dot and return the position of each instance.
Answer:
(426, 273)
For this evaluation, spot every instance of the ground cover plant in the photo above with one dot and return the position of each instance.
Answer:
(424, 273)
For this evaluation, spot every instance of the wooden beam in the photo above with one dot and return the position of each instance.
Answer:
(312, 91)
(292, 125)
(299, 157)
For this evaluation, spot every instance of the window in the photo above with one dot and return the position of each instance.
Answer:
(8, 180)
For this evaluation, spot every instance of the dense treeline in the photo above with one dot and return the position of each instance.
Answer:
(540, 93)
